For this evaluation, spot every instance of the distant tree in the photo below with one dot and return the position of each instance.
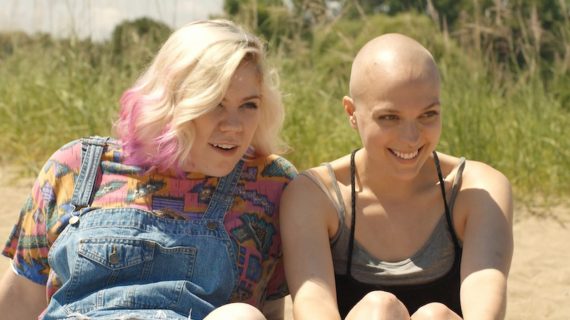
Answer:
(138, 40)
(274, 20)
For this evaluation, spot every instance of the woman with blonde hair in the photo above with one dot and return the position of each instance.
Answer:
(176, 218)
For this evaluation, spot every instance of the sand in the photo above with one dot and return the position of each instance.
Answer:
(539, 282)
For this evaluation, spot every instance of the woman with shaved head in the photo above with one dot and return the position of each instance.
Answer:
(397, 230)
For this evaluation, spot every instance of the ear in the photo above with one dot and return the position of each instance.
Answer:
(348, 105)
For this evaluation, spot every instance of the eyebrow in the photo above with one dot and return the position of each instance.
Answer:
(255, 96)
(436, 103)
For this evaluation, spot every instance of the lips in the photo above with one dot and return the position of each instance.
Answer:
(224, 146)
(410, 155)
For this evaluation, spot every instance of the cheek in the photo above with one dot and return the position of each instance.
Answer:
(203, 128)
(252, 123)
(434, 130)
(374, 136)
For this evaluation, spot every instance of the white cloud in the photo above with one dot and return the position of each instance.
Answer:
(191, 10)
(105, 20)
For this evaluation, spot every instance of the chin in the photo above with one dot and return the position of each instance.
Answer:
(220, 173)
(221, 169)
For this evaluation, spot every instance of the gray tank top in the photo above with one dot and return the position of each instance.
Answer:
(432, 261)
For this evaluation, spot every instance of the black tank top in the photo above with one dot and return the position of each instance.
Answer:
(444, 289)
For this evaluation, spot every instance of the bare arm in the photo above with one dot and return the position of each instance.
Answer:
(307, 256)
(487, 243)
(20, 298)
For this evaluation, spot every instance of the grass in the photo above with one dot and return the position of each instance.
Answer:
(509, 120)
(508, 114)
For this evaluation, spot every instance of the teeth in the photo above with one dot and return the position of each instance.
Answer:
(406, 156)
(224, 146)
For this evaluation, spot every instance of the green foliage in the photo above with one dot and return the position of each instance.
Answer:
(135, 42)
(513, 116)
(505, 83)
(53, 91)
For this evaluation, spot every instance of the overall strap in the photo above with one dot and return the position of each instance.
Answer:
(223, 197)
(91, 152)
(447, 211)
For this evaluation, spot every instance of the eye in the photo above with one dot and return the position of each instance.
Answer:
(430, 114)
(388, 117)
(249, 105)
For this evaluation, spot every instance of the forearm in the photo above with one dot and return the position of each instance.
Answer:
(20, 298)
(312, 308)
(484, 295)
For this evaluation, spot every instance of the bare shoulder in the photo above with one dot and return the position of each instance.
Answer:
(476, 174)
(481, 175)
(303, 191)
(485, 190)
(308, 180)
(484, 197)
(307, 197)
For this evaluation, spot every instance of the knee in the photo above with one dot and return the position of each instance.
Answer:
(434, 310)
(382, 300)
(379, 304)
(237, 311)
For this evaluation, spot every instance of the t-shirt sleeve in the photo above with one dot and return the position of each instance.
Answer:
(31, 237)
(277, 285)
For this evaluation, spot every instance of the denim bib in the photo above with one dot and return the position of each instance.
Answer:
(127, 263)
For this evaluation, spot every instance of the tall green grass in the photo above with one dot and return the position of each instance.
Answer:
(513, 115)
(511, 120)
(51, 92)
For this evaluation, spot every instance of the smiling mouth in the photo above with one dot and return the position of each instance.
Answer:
(406, 155)
(223, 146)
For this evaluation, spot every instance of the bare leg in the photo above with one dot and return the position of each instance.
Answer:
(236, 311)
(379, 305)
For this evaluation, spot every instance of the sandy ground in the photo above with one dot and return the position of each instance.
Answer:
(539, 283)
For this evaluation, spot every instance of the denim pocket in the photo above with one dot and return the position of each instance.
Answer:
(129, 272)
(116, 253)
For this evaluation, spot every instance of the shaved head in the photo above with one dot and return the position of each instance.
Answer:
(388, 61)
(394, 103)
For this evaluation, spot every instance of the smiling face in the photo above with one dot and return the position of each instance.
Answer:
(223, 135)
(395, 107)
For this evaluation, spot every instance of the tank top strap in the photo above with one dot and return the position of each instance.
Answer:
(339, 200)
(448, 212)
(456, 183)
(91, 152)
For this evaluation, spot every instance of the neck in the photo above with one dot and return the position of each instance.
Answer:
(381, 180)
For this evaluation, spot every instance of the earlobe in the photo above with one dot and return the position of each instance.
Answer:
(353, 121)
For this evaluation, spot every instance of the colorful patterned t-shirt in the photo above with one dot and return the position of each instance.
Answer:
(252, 222)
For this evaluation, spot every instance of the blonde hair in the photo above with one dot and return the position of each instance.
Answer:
(189, 77)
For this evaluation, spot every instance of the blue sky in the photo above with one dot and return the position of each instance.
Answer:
(97, 18)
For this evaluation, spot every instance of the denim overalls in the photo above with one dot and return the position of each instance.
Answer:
(127, 263)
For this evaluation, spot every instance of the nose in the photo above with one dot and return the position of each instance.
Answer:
(231, 122)
(410, 132)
